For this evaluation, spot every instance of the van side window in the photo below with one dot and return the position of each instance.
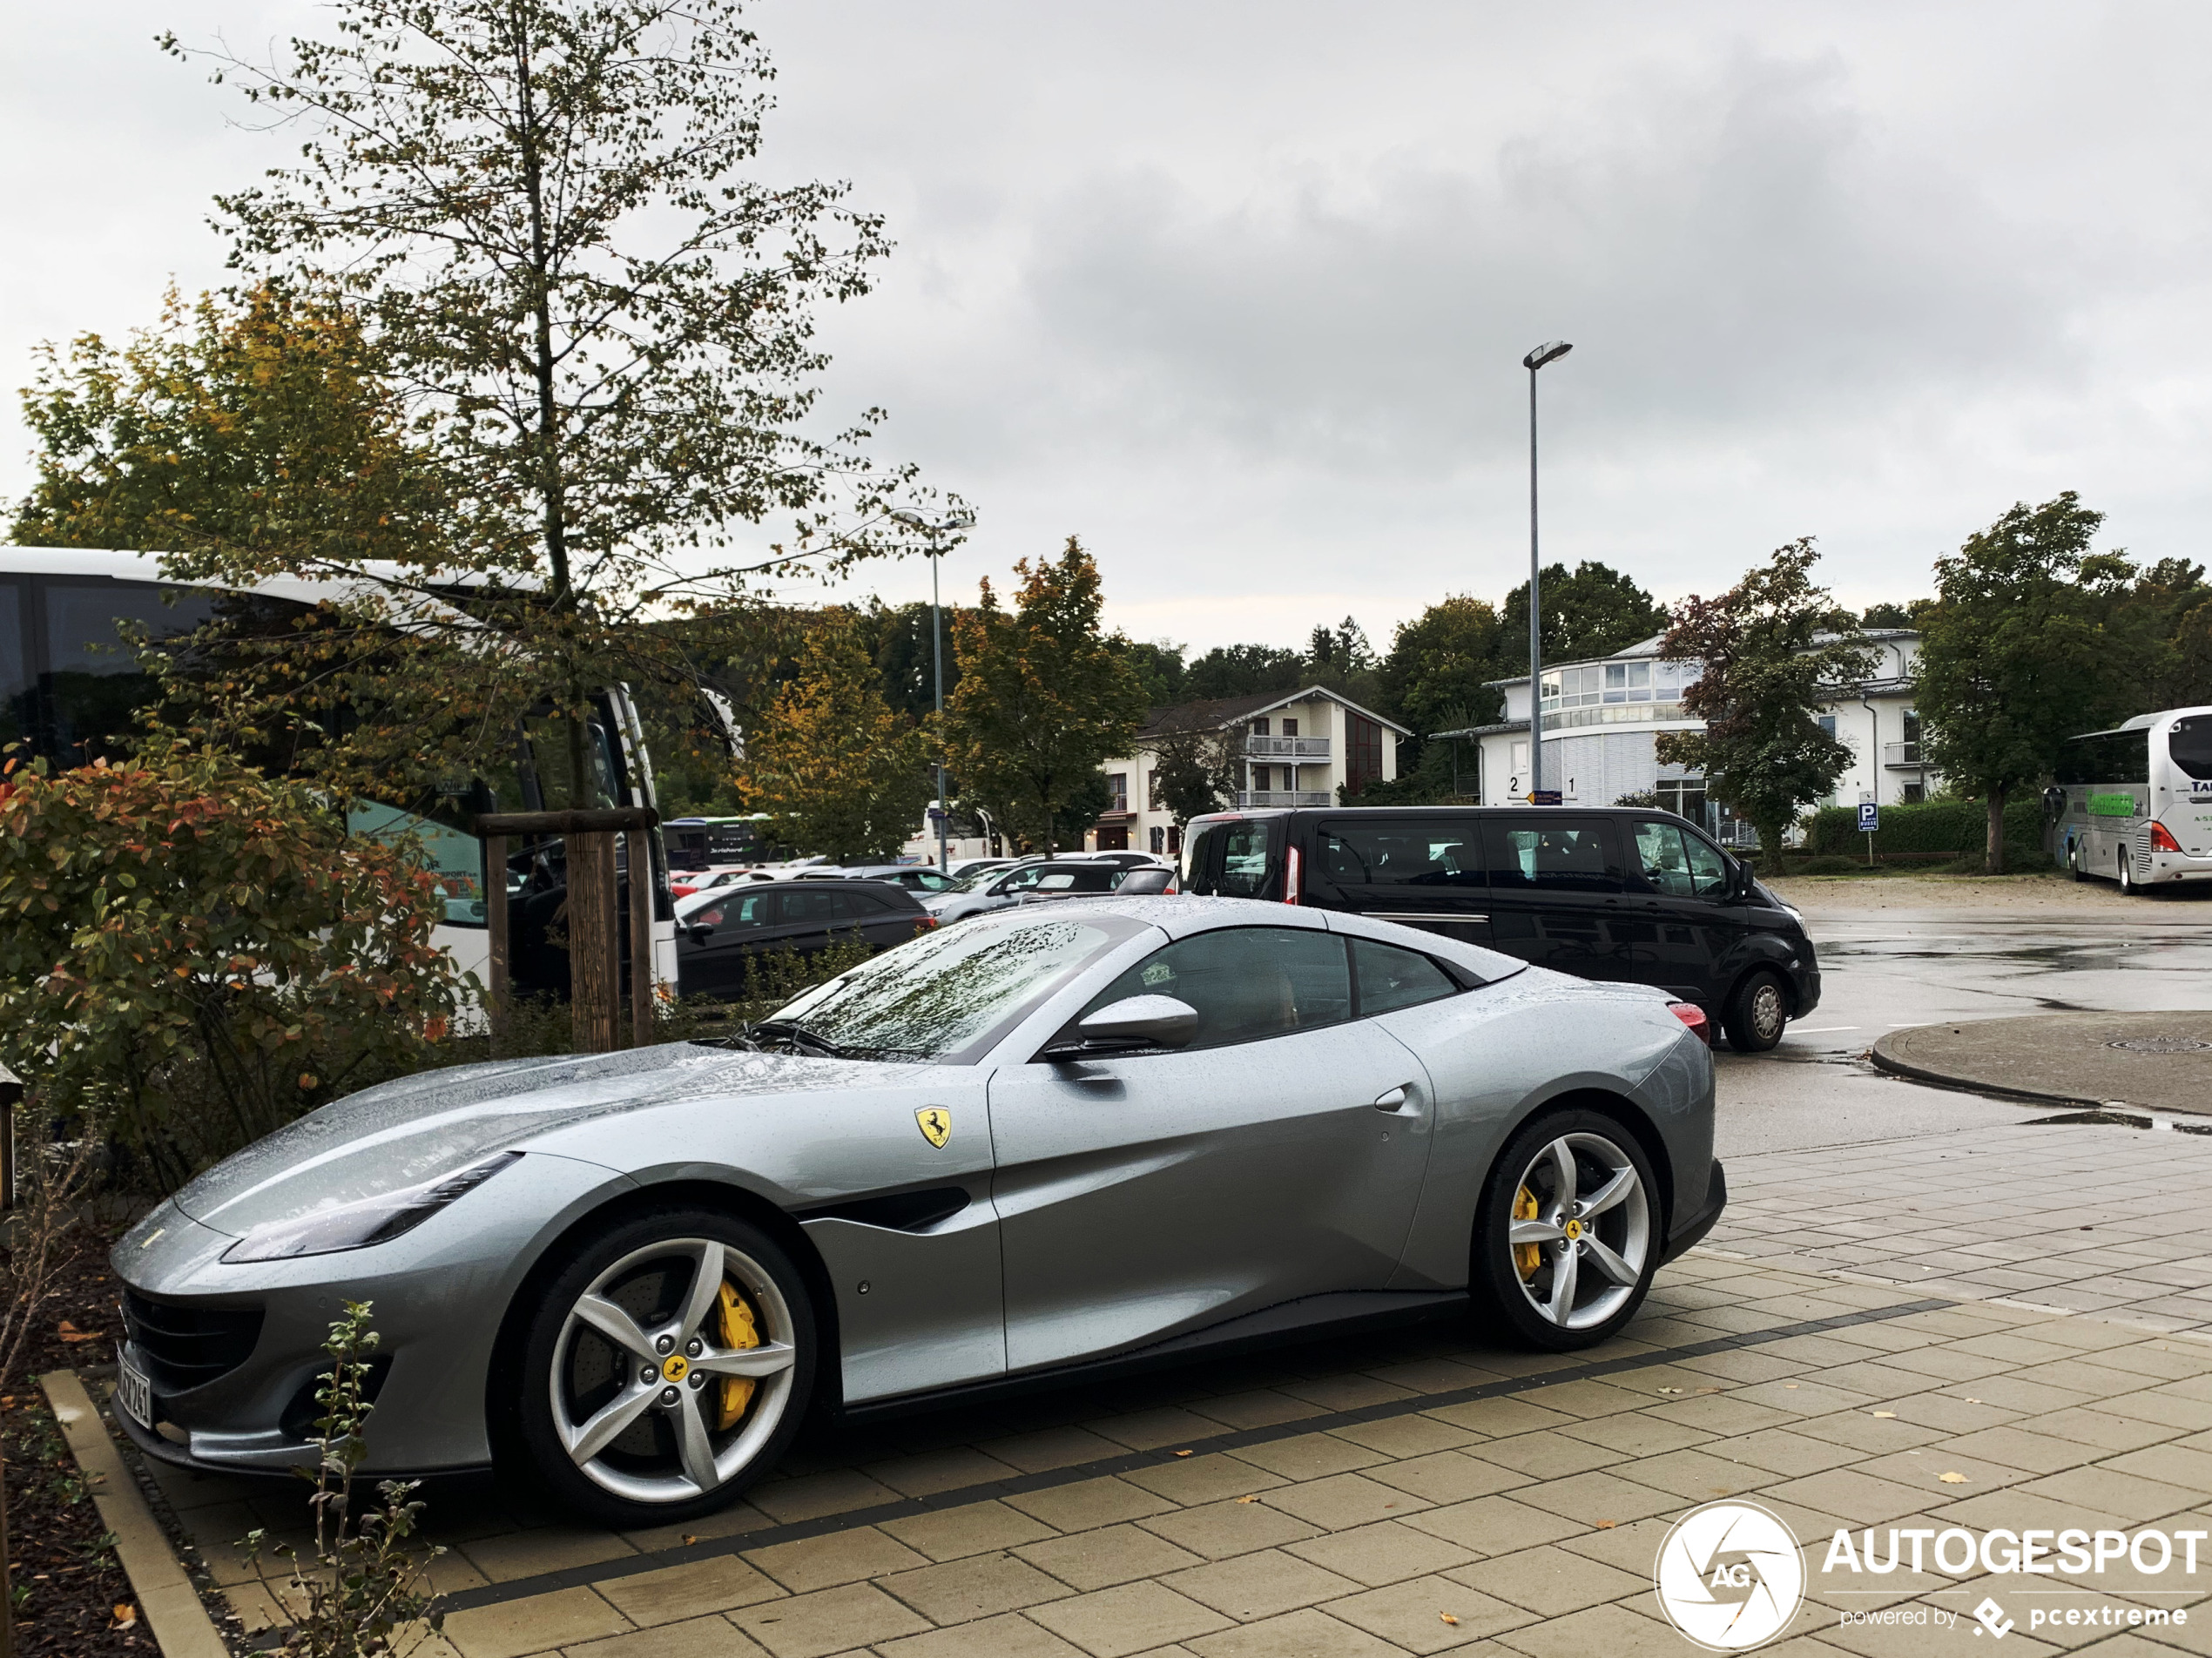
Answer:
(1561, 854)
(1405, 853)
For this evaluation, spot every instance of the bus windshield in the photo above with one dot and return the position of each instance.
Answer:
(2189, 745)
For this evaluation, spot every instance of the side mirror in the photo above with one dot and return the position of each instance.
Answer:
(698, 932)
(1134, 1021)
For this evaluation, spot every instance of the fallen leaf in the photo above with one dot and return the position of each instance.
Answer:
(126, 1617)
(1183, 1454)
(690, 1537)
(1241, 1499)
(1607, 1524)
(1448, 1618)
(1886, 1415)
(69, 1332)
(1953, 1478)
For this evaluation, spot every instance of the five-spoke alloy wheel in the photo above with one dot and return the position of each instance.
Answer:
(1568, 1235)
(667, 1366)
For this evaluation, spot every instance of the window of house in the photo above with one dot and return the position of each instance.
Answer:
(1684, 797)
(1259, 728)
(1117, 786)
(1175, 839)
(1914, 793)
(1159, 839)
(1518, 761)
(1290, 728)
(1260, 782)
(1363, 751)
(1827, 724)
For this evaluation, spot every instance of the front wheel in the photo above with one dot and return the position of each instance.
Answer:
(1568, 1235)
(2073, 864)
(665, 1367)
(1757, 1014)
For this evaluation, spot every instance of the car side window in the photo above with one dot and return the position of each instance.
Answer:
(1561, 854)
(812, 907)
(752, 910)
(1707, 869)
(1389, 978)
(1247, 983)
(1020, 881)
(1660, 861)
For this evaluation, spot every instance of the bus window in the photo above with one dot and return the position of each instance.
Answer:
(15, 668)
(2189, 745)
(456, 858)
(95, 687)
(553, 771)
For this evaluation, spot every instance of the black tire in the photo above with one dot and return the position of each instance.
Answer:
(2073, 864)
(1514, 1283)
(646, 1266)
(2129, 888)
(1757, 1013)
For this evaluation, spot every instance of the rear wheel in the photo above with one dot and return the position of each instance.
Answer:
(2073, 864)
(1568, 1235)
(2127, 887)
(1758, 1014)
(665, 1368)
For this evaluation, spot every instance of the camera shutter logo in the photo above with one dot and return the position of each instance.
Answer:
(1729, 1576)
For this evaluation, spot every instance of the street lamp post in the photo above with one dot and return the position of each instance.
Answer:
(1548, 352)
(937, 529)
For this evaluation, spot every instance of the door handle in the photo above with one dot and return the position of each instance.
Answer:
(1390, 1100)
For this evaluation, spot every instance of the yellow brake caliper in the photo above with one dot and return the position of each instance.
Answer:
(738, 1329)
(1525, 1257)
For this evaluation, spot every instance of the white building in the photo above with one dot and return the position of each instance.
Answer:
(1296, 750)
(1603, 720)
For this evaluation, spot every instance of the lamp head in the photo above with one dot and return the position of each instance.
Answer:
(959, 518)
(1550, 352)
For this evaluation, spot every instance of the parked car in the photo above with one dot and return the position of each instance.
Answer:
(998, 890)
(1059, 1142)
(1126, 860)
(683, 882)
(1640, 896)
(915, 877)
(963, 867)
(717, 930)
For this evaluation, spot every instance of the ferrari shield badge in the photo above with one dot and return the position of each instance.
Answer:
(936, 1124)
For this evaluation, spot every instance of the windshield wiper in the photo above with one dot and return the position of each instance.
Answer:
(782, 1030)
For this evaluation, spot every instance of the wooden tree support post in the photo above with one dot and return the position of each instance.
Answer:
(499, 969)
(595, 941)
(641, 888)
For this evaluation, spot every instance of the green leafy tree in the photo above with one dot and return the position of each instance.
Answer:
(1592, 612)
(1194, 765)
(1244, 670)
(898, 638)
(1435, 677)
(2027, 645)
(193, 955)
(1043, 697)
(838, 770)
(1158, 666)
(1906, 615)
(1773, 649)
(602, 324)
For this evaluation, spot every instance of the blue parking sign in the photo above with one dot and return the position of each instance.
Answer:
(1870, 818)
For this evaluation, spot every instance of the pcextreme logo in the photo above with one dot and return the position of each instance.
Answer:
(1729, 1576)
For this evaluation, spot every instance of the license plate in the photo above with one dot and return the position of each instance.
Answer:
(134, 1393)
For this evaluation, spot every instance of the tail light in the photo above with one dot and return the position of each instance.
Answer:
(1694, 1016)
(681, 890)
(2162, 839)
(1294, 875)
(925, 923)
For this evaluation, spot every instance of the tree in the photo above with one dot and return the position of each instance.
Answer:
(1244, 670)
(1906, 615)
(838, 770)
(1043, 697)
(602, 325)
(1195, 766)
(1772, 649)
(1592, 612)
(2025, 647)
(1435, 677)
(898, 638)
(1158, 666)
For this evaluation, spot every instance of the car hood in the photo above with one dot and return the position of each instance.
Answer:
(402, 1132)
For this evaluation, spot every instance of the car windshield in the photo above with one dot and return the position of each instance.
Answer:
(970, 883)
(948, 996)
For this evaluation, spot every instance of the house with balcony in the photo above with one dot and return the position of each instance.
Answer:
(1603, 720)
(1294, 750)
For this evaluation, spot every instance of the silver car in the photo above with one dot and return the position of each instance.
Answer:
(1067, 1138)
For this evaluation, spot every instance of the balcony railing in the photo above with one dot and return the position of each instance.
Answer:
(1250, 798)
(1287, 748)
(1901, 756)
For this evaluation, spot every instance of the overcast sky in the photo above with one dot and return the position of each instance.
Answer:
(1238, 292)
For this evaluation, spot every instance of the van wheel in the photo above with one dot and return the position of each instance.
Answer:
(1758, 1014)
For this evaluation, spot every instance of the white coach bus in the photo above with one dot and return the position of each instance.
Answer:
(68, 687)
(2134, 805)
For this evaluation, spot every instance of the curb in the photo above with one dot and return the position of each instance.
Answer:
(1888, 1061)
(167, 1600)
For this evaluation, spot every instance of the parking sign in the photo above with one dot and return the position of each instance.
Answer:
(1870, 818)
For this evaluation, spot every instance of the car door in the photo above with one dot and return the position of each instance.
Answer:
(1146, 1195)
(888, 914)
(1423, 871)
(808, 913)
(715, 965)
(1696, 930)
(1557, 893)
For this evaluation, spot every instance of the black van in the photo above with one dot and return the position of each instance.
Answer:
(1636, 895)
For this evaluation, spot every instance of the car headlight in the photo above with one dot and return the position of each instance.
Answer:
(373, 1220)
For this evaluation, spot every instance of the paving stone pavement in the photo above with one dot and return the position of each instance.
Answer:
(2101, 1219)
(1419, 1492)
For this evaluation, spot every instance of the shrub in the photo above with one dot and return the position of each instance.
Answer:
(1931, 832)
(191, 954)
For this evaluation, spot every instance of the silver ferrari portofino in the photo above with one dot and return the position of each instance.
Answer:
(1048, 1142)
